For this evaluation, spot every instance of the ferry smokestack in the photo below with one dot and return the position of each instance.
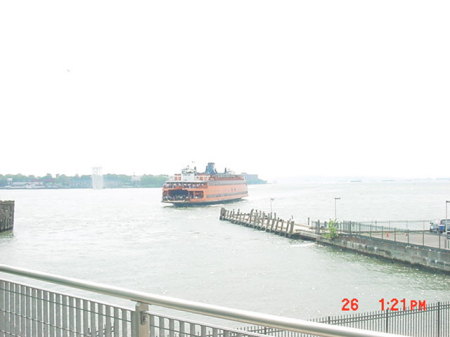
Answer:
(210, 169)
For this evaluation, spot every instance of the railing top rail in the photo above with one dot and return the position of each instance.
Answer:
(319, 329)
(389, 221)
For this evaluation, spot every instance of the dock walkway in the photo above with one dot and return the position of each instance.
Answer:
(269, 222)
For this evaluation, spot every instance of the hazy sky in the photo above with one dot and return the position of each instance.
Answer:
(279, 88)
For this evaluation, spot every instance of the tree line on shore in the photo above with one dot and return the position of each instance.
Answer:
(80, 181)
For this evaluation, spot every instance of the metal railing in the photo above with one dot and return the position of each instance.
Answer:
(29, 311)
(170, 327)
(373, 226)
(396, 231)
(432, 322)
(398, 224)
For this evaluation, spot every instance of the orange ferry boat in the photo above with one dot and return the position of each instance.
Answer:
(193, 188)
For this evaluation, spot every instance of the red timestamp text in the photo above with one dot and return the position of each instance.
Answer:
(350, 304)
(395, 304)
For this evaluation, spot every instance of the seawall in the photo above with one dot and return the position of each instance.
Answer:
(423, 256)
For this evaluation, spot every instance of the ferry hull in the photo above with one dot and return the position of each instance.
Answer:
(201, 203)
(206, 196)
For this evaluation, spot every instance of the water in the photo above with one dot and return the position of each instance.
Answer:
(127, 238)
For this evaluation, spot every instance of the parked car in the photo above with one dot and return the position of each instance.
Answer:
(440, 226)
(445, 225)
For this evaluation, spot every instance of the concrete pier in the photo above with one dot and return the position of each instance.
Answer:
(6, 215)
(417, 248)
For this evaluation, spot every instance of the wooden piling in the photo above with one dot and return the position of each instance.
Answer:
(272, 223)
(6, 215)
(291, 228)
(268, 222)
(223, 214)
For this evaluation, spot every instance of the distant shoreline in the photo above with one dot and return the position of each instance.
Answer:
(61, 181)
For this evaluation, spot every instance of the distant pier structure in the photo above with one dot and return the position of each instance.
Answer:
(6, 215)
(253, 179)
(97, 178)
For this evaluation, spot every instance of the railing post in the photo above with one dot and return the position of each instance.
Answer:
(142, 327)
(387, 321)
(439, 319)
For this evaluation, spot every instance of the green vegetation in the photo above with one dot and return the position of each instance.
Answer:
(148, 180)
(17, 181)
(332, 230)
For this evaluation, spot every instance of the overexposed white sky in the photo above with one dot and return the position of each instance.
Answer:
(278, 88)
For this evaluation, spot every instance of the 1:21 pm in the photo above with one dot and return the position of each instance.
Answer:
(394, 304)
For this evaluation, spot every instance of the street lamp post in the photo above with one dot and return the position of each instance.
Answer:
(446, 214)
(335, 199)
(446, 223)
